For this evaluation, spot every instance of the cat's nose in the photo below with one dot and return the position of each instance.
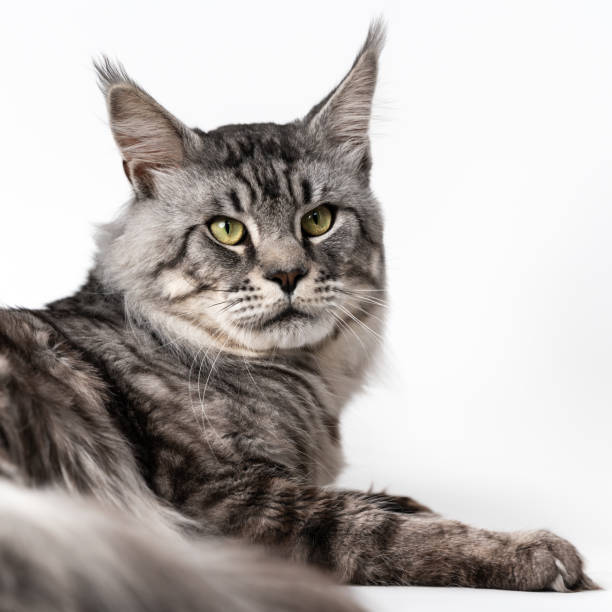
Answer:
(287, 280)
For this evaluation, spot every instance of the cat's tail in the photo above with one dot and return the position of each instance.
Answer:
(58, 553)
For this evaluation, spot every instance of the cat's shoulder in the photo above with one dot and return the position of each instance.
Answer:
(38, 362)
(22, 330)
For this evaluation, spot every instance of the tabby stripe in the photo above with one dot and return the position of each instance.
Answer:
(298, 377)
(362, 225)
(247, 147)
(118, 404)
(287, 173)
(258, 178)
(148, 365)
(180, 255)
(398, 504)
(235, 201)
(243, 179)
(319, 534)
(201, 287)
(271, 187)
(306, 191)
(382, 539)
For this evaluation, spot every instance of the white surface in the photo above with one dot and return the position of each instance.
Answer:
(428, 599)
(493, 159)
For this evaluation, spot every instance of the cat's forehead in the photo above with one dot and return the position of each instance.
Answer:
(234, 145)
(265, 170)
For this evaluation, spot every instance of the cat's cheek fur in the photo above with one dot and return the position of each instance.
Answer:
(174, 285)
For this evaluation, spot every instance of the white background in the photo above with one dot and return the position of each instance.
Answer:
(493, 160)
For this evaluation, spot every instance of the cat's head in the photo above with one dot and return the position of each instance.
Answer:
(264, 236)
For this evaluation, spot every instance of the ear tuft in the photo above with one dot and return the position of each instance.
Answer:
(111, 73)
(343, 117)
(148, 136)
(375, 40)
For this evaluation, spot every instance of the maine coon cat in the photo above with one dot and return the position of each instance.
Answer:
(190, 391)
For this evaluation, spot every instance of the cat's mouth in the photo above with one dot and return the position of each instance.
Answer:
(285, 327)
(289, 314)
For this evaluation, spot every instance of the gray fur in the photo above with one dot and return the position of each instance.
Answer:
(59, 553)
(181, 393)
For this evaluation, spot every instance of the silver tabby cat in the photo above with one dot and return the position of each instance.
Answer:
(189, 393)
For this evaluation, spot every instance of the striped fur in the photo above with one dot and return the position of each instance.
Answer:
(180, 394)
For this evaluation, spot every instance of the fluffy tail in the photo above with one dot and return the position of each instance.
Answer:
(61, 554)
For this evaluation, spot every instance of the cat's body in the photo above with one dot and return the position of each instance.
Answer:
(196, 382)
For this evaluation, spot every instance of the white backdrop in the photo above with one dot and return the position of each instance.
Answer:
(493, 159)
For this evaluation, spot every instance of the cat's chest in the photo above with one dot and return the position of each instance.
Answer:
(232, 411)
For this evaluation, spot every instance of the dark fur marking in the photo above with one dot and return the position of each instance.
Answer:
(243, 179)
(362, 225)
(287, 174)
(235, 200)
(399, 504)
(180, 255)
(306, 191)
(319, 532)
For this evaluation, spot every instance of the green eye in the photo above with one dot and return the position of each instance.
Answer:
(317, 221)
(226, 230)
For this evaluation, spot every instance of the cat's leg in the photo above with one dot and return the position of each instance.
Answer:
(370, 539)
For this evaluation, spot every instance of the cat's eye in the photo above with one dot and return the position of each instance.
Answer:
(317, 221)
(227, 230)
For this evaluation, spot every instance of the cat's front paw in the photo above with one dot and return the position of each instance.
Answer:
(542, 561)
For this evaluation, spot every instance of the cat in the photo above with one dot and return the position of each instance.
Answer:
(167, 433)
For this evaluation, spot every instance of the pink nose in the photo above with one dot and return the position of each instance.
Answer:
(287, 280)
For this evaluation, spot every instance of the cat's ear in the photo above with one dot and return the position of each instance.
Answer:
(343, 117)
(149, 137)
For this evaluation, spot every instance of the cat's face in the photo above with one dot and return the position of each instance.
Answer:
(266, 236)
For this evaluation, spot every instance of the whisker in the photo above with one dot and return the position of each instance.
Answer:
(370, 314)
(360, 322)
(201, 396)
(232, 303)
(345, 325)
(365, 298)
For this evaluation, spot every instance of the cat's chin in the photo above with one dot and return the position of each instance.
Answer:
(288, 331)
(285, 330)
